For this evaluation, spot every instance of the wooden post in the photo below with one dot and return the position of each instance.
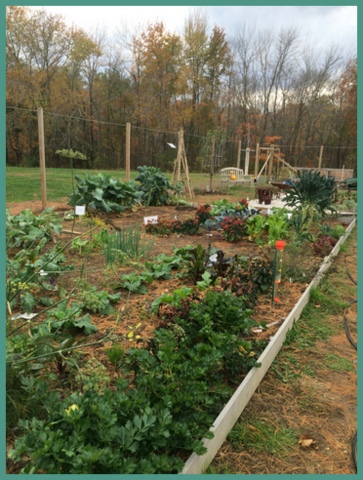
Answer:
(239, 153)
(320, 157)
(212, 164)
(247, 161)
(43, 181)
(270, 156)
(128, 142)
(257, 159)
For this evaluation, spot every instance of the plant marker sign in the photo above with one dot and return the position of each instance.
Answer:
(153, 219)
(80, 210)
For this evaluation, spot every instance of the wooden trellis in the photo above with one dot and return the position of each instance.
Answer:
(181, 169)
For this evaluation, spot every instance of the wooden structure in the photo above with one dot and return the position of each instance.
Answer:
(234, 176)
(181, 169)
(272, 153)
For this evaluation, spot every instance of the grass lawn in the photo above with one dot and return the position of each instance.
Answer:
(23, 184)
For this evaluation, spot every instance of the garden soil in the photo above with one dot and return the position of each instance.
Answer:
(334, 391)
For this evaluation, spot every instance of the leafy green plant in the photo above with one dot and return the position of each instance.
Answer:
(223, 207)
(79, 245)
(135, 282)
(277, 225)
(27, 228)
(257, 227)
(93, 376)
(335, 231)
(194, 260)
(90, 433)
(154, 186)
(102, 192)
(65, 317)
(313, 191)
(95, 301)
(312, 195)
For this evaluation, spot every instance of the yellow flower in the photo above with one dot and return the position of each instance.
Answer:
(72, 407)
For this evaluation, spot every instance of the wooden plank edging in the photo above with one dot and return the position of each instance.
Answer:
(233, 409)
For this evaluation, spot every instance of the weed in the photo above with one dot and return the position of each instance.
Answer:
(115, 354)
(338, 364)
(261, 435)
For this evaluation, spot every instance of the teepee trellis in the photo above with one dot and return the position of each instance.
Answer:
(181, 165)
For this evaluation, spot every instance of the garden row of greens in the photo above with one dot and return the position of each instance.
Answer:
(67, 414)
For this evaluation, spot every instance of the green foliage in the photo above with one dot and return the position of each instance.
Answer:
(335, 231)
(115, 354)
(262, 229)
(312, 190)
(27, 229)
(135, 282)
(30, 270)
(154, 186)
(69, 153)
(93, 433)
(124, 245)
(65, 317)
(312, 195)
(277, 225)
(104, 193)
(194, 259)
(93, 376)
(95, 301)
(224, 208)
(256, 227)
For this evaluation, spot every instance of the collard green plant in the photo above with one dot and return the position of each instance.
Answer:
(154, 186)
(105, 193)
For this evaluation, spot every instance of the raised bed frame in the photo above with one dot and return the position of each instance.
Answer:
(237, 403)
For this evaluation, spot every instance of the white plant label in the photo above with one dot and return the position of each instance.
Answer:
(80, 210)
(153, 219)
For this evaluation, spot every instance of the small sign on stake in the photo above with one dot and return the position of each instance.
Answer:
(153, 219)
(80, 210)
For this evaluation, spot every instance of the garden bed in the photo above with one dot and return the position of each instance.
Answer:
(197, 464)
(132, 319)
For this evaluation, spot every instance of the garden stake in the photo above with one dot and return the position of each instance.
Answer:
(280, 245)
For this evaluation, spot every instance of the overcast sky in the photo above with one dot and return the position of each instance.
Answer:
(321, 26)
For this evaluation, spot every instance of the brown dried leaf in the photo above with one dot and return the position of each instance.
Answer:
(307, 442)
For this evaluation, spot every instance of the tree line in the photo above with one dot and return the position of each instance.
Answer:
(252, 86)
